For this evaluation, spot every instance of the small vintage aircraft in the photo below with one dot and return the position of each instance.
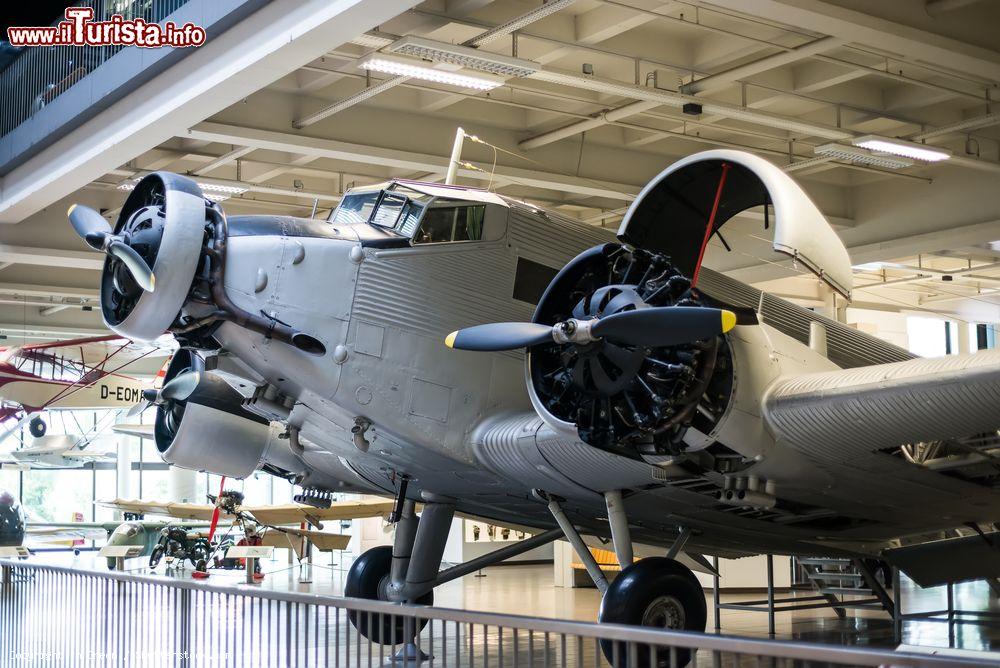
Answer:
(270, 523)
(56, 451)
(16, 531)
(593, 385)
(73, 374)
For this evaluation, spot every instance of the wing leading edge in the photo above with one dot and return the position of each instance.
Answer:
(840, 415)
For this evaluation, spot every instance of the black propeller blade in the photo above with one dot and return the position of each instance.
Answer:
(655, 327)
(140, 271)
(499, 336)
(181, 387)
(96, 231)
(664, 325)
(178, 389)
(90, 225)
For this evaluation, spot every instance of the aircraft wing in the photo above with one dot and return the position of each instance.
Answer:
(294, 539)
(849, 414)
(140, 430)
(184, 511)
(88, 456)
(294, 513)
(57, 533)
(94, 350)
(290, 513)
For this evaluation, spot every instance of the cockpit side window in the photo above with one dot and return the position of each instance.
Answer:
(451, 222)
(355, 208)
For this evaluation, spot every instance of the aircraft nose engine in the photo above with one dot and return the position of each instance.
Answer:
(201, 423)
(165, 265)
(622, 348)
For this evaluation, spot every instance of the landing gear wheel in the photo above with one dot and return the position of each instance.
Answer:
(155, 556)
(655, 592)
(368, 578)
(37, 427)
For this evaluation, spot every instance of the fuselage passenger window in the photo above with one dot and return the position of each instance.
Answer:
(452, 223)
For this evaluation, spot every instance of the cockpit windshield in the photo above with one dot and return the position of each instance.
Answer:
(420, 216)
(355, 208)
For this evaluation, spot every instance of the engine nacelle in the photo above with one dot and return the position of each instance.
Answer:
(632, 400)
(211, 431)
(163, 220)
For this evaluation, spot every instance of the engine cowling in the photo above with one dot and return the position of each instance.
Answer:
(632, 400)
(209, 430)
(163, 219)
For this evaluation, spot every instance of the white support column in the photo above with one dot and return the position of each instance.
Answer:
(182, 485)
(123, 467)
(962, 333)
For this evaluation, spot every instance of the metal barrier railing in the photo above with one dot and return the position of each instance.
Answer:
(55, 615)
(39, 74)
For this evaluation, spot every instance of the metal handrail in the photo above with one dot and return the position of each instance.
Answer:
(614, 632)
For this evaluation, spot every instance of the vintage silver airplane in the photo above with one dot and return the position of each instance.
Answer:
(617, 388)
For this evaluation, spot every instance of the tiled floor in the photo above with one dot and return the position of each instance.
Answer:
(522, 590)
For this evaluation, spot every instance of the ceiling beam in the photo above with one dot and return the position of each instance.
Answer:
(51, 257)
(857, 27)
(32, 290)
(719, 80)
(707, 84)
(224, 159)
(405, 160)
(43, 331)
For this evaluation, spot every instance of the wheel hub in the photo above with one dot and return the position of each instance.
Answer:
(665, 612)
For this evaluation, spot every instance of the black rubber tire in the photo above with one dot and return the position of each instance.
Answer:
(37, 427)
(365, 580)
(633, 592)
(155, 556)
(200, 552)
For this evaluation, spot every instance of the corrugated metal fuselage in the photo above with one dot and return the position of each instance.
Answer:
(461, 424)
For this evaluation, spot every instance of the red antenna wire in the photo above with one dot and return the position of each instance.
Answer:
(711, 222)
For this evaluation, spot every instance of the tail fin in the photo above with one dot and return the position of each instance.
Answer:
(161, 374)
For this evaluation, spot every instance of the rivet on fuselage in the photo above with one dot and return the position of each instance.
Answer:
(357, 254)
(261, 281)
(340, 354)
(299, 253)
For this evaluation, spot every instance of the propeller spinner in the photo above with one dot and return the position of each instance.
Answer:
(96, 231)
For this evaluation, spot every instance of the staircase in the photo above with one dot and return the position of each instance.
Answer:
(846, 583)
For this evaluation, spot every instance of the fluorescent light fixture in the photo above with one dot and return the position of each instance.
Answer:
(806, 164)
(902, 147)
(463, 56)
(861, 156)
(372, 40)
(404, 67)
(876, 266)
(214, 191)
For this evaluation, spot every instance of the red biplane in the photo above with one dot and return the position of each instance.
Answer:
(74, 374)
